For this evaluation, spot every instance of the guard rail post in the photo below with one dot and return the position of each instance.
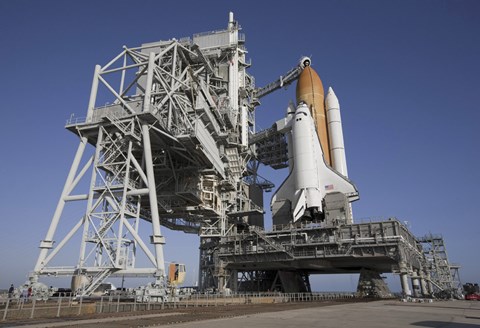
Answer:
(101, 305)
(59, 306)
(34, 301)
(6, 309)
(80, 306)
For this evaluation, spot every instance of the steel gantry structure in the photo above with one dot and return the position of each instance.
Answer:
(171, 149)
(444, 276)
(174, 145)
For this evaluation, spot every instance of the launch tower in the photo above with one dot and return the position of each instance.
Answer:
(170, 149)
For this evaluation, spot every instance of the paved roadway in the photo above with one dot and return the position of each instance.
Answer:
(381, 314)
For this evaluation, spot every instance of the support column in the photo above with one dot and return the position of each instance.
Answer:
(416, 285)
(93, 93)
(423, 285)
(172, 86)
(122, 218)
(404, 279)
(91, 193)
(429, 284)
(47, 243)
(148, 83)
(156, 239)
(234, 281)
(404, 283)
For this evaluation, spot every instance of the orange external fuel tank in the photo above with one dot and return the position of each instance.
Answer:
(310, 91)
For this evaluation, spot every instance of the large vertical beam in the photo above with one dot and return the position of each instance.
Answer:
(157, 239)
(244, 125)
(126, 181)
(122, 79)
(404, 282)
(93, 93)
(233, 82)
(234, 280)
(86, 222)
(423, 284)
(148, 84)
(172, 85)
(47, 243)
(404, 279)
(416, 284)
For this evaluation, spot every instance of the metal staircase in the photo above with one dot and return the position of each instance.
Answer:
(126, 127)
(261, 235)
(445, 282)
(96, 281)
(106, 225)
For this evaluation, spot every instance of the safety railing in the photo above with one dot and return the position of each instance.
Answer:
(30, 308)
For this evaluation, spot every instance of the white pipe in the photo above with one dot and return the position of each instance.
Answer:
(138, 192)
(244, 124)
(76, 197)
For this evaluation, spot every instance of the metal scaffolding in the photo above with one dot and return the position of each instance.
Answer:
(444, 276)
(313, 248)
(171, 149)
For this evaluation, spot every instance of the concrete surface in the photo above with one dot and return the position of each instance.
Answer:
(391, 314)
(384, 314)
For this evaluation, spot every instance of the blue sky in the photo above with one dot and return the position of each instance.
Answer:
(406, 74)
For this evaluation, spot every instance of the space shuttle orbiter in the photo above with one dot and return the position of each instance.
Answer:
(316, 153)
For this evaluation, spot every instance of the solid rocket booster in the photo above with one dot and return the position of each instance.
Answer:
(310, 91)
(335, 131)
(337, 147)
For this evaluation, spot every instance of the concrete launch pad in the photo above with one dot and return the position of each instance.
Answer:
(391, 314)
(385, 314)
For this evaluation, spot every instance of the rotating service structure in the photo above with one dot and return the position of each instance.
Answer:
(174, 145)
(170, 149)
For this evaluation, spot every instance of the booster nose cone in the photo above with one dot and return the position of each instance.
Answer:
(310, 91)
(331, 101)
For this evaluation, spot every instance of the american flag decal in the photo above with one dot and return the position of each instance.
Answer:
(329, 187)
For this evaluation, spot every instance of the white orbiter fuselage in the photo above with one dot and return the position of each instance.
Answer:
(310, 178)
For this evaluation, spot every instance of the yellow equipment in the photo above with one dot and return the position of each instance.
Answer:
(176, 274)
